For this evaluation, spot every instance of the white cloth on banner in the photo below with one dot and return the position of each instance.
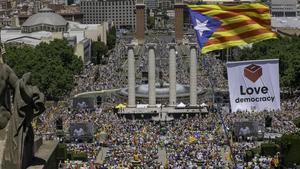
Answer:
(254, 85)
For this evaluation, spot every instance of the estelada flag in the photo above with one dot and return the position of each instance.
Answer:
(218, 26)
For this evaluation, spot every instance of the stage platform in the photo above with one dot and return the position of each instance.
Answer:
(157, 110)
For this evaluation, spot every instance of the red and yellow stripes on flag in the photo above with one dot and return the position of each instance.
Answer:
(241, 24)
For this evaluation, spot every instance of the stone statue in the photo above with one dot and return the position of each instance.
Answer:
(16, 132)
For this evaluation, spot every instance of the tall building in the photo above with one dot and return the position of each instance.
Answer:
(165, 4)
(37, 5)
(120, 12)
(151, 4)
(285, 8)
(4, 4)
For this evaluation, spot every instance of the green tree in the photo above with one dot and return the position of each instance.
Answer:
(297, 121)
(150, 22)
(286, 49)
(99, 49)
(165, 15)
(52, 65)
(111, 38)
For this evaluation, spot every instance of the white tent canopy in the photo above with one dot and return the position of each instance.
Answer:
(181, 105)
(141, 105)
(146, 105)
(204, 105)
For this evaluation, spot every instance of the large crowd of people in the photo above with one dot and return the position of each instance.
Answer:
(194, 141)
(104, 76)
(187, 142)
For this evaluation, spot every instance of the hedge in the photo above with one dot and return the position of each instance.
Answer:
(250, 154)
(297, 121)
(290, 145)
(61, 152)
(79, 156)
(269, 149)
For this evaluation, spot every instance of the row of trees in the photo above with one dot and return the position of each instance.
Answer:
(111, 38)
(52, 66)
(100, 49)
(286, 49)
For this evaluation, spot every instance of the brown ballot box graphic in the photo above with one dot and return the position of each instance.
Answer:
(253, 72)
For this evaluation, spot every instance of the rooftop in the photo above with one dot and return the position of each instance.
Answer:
(286, 22)
(45, 16)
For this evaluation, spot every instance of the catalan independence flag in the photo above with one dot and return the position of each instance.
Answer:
(219, 27)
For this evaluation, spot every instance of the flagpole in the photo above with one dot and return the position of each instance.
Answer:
(210, 79)
(227, 54)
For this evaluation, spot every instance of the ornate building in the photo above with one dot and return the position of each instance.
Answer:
(45, 20)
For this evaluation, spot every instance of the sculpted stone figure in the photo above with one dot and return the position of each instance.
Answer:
(16, 132)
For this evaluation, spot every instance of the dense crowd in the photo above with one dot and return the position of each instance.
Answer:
(186, 142)
(194, 142)
(281, 120)
(104, 76)
(135, 138)
(45, 125)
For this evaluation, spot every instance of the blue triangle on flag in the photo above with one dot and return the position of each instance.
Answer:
(204, 26)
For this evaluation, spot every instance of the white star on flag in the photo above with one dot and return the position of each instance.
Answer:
(201, 26)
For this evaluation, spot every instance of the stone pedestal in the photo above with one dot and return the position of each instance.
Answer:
(172, 74)
(45, 156)
(131, 76)
(193, 74)
(151, 74)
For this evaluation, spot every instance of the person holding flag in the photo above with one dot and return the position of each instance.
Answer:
(219, 27)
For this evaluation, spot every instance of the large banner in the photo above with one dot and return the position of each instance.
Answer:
(254, 85)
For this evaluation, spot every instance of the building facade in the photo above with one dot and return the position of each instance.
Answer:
(165, 4)
(46, 26)
(120, 12)
(151, 4)
(285, 8)
(68, 12)
(45, 20)
(5, 4)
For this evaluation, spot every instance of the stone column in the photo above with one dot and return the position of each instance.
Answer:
(193, 74)
(172, 74)
(140, 21)
(131, 76)
(151, 74)
(179, 8)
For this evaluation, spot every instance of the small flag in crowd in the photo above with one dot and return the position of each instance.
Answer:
(192, 139)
